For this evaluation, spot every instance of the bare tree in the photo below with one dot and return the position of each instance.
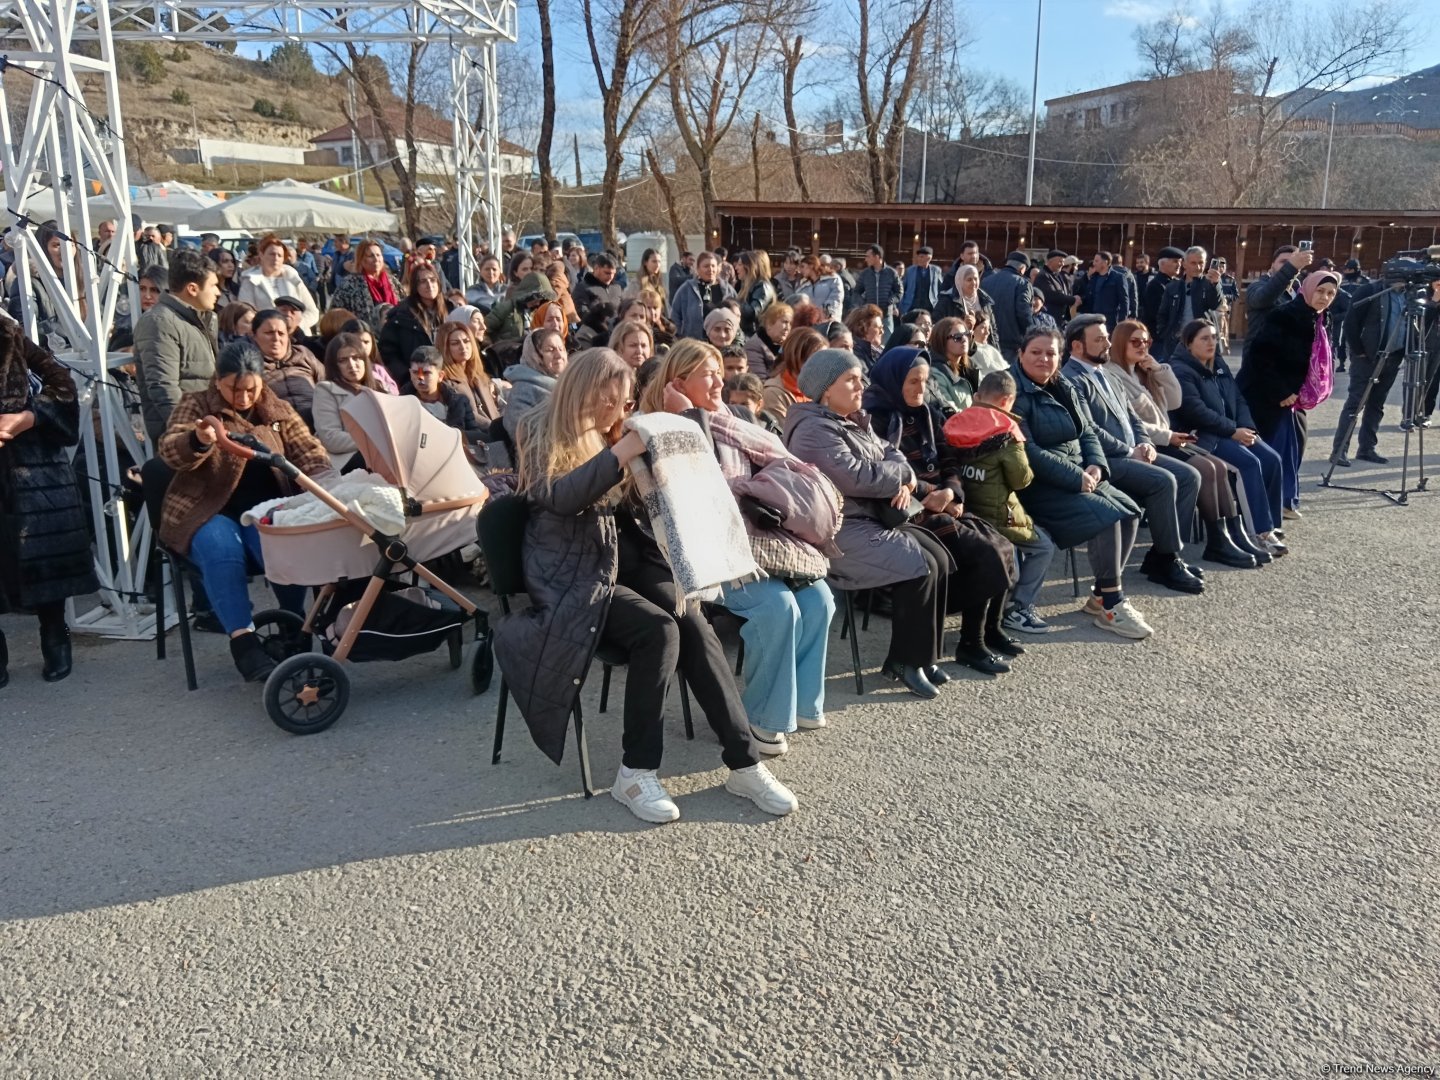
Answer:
(629, 48)
(1164, 45)
(672, 210)
(707, 87)
(888, 58)
(372, 75)
(1249, 77)
(792, 52)
(547, 121)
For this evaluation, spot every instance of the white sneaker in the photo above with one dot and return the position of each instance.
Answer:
(644, 795)
(1124, 620)
(769, 743)
(810, 723)
(760, 787)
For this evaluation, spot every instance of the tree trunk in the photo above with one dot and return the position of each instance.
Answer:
(792, 55)
(755, 153)
(609, 183)
(667, 193)
(373, 102)
(547, 123)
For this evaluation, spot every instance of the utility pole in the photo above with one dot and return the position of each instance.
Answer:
(578, 181)
(1329, 149)
(924, 164)
(1034, 107)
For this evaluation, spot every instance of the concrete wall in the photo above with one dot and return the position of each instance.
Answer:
(214, 152)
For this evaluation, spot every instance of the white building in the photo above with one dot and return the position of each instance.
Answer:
(435, 150)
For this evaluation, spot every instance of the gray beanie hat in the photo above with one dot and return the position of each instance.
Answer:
(820, 372)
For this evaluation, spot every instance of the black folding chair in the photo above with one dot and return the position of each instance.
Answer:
(500, 529)
(155, 477)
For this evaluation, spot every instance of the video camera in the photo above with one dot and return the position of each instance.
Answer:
(1418, 267)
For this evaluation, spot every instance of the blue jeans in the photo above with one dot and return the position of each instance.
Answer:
(1285, 441)
(786, 635)
(1034, 556)
(226, 553)
(1260, 471)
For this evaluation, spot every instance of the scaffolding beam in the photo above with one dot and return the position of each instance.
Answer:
(63, 153)
(60, 155)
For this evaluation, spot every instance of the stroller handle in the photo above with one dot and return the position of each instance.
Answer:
(245, 446)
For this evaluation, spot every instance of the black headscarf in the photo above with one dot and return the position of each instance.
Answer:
(885, 403)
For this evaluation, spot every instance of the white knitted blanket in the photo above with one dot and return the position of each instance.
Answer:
(366, 493)
(693, 514)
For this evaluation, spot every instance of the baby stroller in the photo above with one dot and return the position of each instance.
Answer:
(430, 496)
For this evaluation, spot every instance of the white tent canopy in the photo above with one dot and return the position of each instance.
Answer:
(289, 204)
(172, 202)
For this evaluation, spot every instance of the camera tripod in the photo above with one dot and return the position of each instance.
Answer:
(1417, 385)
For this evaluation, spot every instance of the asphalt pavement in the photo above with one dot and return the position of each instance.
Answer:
(1207, 854)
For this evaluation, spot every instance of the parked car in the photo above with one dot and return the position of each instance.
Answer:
(529, 238)
(426, 194)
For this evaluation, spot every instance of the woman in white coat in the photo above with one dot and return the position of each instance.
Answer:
(262, 285)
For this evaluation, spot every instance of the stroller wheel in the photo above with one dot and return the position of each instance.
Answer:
(307, 693)
(281, 633)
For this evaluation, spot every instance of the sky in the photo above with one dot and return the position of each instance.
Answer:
(1084, 44)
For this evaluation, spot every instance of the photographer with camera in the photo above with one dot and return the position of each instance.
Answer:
(1375, 335)
(1430, 385)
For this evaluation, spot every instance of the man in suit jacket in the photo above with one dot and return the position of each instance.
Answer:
(1166, 487)
(1375, 335)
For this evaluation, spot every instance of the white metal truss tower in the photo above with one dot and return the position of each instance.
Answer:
(64, 149)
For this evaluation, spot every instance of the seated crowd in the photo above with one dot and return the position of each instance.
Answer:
(963, 426)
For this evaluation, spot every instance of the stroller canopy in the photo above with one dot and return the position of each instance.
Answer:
(411, 448)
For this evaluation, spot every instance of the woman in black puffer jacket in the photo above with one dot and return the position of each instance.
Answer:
(44, 545)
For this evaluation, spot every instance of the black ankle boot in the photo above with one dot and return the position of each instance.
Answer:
(55, 649)
(1236, 528)
(4, 661)
(1219, 548)
(251, 659)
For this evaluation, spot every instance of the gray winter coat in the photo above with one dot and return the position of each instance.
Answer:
(571, 559)
(528, 388)
(175, 353)
(867, 471)
(1060, 442)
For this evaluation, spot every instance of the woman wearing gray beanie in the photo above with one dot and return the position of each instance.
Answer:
(876, 481)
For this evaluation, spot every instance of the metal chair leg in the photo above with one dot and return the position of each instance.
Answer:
(177, 574)
(500, 721)
(869, 603)
(854, 642)
(605, 687)
(685, 707)
(1074, 561)
(588, 787)
(845, 614)
(160, 563)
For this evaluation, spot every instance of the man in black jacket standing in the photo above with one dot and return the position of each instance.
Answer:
(1195, 294)
(1011, 290)
(880, 285)
(1167, 268)
(1375, 333)
(1055, 286)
